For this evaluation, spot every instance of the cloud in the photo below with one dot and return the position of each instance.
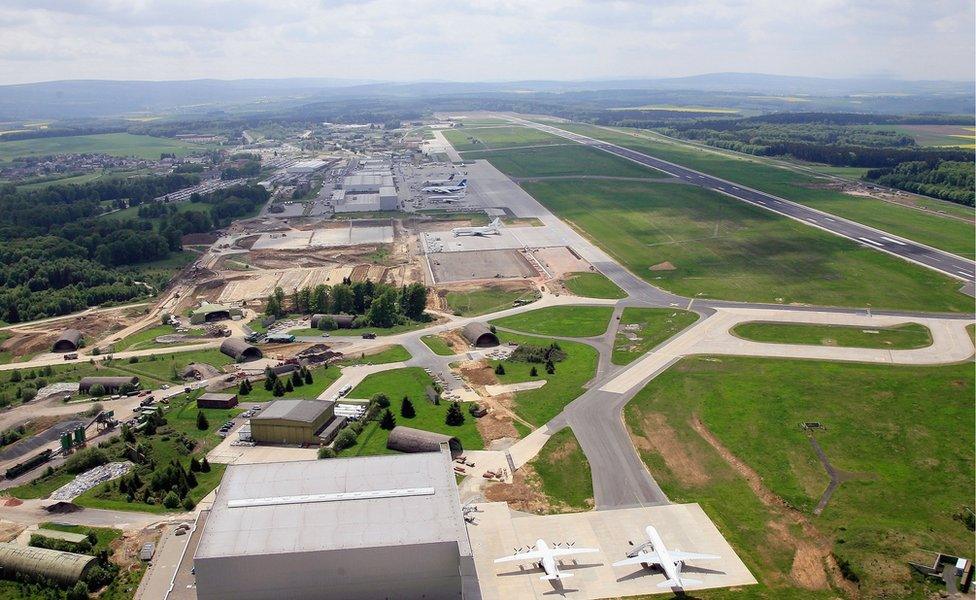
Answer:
(481, 39)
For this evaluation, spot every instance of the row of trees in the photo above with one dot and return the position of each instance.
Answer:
(375, 304)
(948, 180)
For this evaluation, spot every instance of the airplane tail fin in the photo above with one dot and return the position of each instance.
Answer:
(463, 183)
(496, 224)
(679, 582)
(556, 576)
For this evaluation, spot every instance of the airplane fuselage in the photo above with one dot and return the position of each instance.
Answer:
(664, 555)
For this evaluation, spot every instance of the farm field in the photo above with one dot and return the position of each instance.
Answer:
(411, 382)
(649, 327)
(702, 244)
(951, 235)
(486, 138)
(903, 337)
(115, 144)
(592, 285)
(485, 299)
(568, 321)
(909, 483)
(936, 135)
(561, 161)
(542, 404)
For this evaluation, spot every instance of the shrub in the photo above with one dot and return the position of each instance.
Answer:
(387, 421)
(326, 452)
(345, 439)
(188, 503)
(78, 592)
(86, 459)
(382, 400)
(202, 423)
(533, 372)
(406, 409)
(171, 500)
(204, 465)
(499, 369)
(97, 390)
(455, 416)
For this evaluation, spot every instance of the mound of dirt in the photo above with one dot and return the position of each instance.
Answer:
(62, 508)
(664, 266)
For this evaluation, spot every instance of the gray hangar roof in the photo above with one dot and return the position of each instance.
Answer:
(312, 506)
(305, 411)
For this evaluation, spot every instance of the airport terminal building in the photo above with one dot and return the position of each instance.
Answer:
(368, 528)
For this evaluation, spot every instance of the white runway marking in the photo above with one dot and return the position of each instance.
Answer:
(863, 239)
(888, 239)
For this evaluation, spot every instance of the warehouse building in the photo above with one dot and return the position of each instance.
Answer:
(64, 568)
(370, 528)
(294, 422)
(305, 167)
(240, 350)
(68, 341)
(479, 335)
(209, 313)
(215, 400)
(384, 199)
(111, 385)
(361, 183)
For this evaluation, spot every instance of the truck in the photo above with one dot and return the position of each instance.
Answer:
(71, 356)
(369, 335)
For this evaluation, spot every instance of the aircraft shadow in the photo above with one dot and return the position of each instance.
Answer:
(644, 572)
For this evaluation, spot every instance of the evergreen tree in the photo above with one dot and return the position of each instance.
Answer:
(278, 390)
(455, 416)
(296, 379)
(289, 387)
(204, 465)
(245, 388)
(194, 464)
(202, 423)
(499, 369)
(308, 377)
(388, 421)
(406, 409)
(550, 367)
(533, 372)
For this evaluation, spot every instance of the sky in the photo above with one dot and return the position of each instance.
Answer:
(483, 40)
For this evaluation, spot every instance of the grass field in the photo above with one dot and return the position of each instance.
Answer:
(914, 462)
(540, 405)
(133, 212)
(951, 235)
(650, 327)
(592, 284)
(562, 161)
(438, 345)
(146, 338)
(411, 382)
(903, 337)
(167, 367)
(722, 248)
(486, 138)
(564, 473)
(358, 331)
(322, 378)
(391, 354)
(115, 144)
(568, 321)
(486, 299)
(935, 135)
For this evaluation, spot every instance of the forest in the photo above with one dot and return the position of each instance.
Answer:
(373, 304)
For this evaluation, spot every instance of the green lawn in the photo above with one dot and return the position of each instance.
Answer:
(167, 367)
(540, 405)
(392, 354)
(322, 378)
(562, 161)
(564, 473)
(951, 235)
(486, 138)
(569, 321)
(105, 535)
(133, 212)
(142, 340)
(593, 284)
(359, 331)
(914, 457)
(648, 328)
(411, 382)
(438, 346)
(70, 372)
(902, 337)
(486, 299)
(41, 487)
(115, 144)
(703, 244)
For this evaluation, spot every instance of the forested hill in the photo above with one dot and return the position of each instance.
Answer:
(57, 256)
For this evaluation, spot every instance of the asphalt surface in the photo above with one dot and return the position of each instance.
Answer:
(943, 262)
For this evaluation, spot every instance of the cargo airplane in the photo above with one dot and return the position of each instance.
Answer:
(447, 189)
(654, 552)
(545, 558)
(493, 228)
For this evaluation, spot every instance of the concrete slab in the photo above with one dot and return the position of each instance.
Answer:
(497, 530)
(450, 267)
(496, 390)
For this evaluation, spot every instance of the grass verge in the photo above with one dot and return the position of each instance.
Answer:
(568, 321)
(591, 284)
(641, 329)
(902, 337)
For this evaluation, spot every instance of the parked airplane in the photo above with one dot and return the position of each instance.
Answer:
(435, 182)
(671, 561)
(446, 189)
(493, 228)
(545, 558)
(448, 199)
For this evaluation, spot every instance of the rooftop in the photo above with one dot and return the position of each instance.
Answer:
(294, 410)
(340, 503)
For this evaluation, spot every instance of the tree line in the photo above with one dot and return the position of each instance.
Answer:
(373, 304)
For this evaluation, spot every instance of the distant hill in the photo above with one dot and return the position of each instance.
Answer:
(100, 98)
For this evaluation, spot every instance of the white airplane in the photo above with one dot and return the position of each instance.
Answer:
(438, 182)
(448, 199)
(671, 561)
(446, 189)
(545, 558)
(493, 228)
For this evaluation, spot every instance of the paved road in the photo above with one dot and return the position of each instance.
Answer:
(944, 262)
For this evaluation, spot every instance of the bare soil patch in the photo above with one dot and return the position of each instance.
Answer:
(524, 493)
(663, 441)
(10, 530)
(663, 266)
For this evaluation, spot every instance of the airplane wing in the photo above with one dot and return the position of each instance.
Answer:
(643, 557)
(679, 555)
(557, 552)
(533, 555)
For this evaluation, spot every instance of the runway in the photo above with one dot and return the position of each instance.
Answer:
(937, 260)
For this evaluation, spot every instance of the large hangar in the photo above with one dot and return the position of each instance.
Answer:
(294, 422)
(368, 528)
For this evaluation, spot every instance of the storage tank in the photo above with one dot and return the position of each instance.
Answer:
(80, 436)
(66, 441)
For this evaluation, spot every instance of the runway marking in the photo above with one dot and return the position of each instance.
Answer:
(863, 239)
(811, 219)
(888, 239)
(760, 202)
(964, 273)
(829, 219)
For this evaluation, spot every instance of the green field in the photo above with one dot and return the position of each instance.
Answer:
(592, 284)
(391, 354)
(358, 331)
(411, 382)
(564, 473)
(322, 378)
(902, 337)
(935, 135)
(486, 299)
(648, 328)
(540, 405)
(568, 321)
(133, 212)
(559, 161)
(115, 144)
(952, 235)
(146, 338)
(437, 345)
(486, 138)
(167, 367)
(721, 248)
(913, 462)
